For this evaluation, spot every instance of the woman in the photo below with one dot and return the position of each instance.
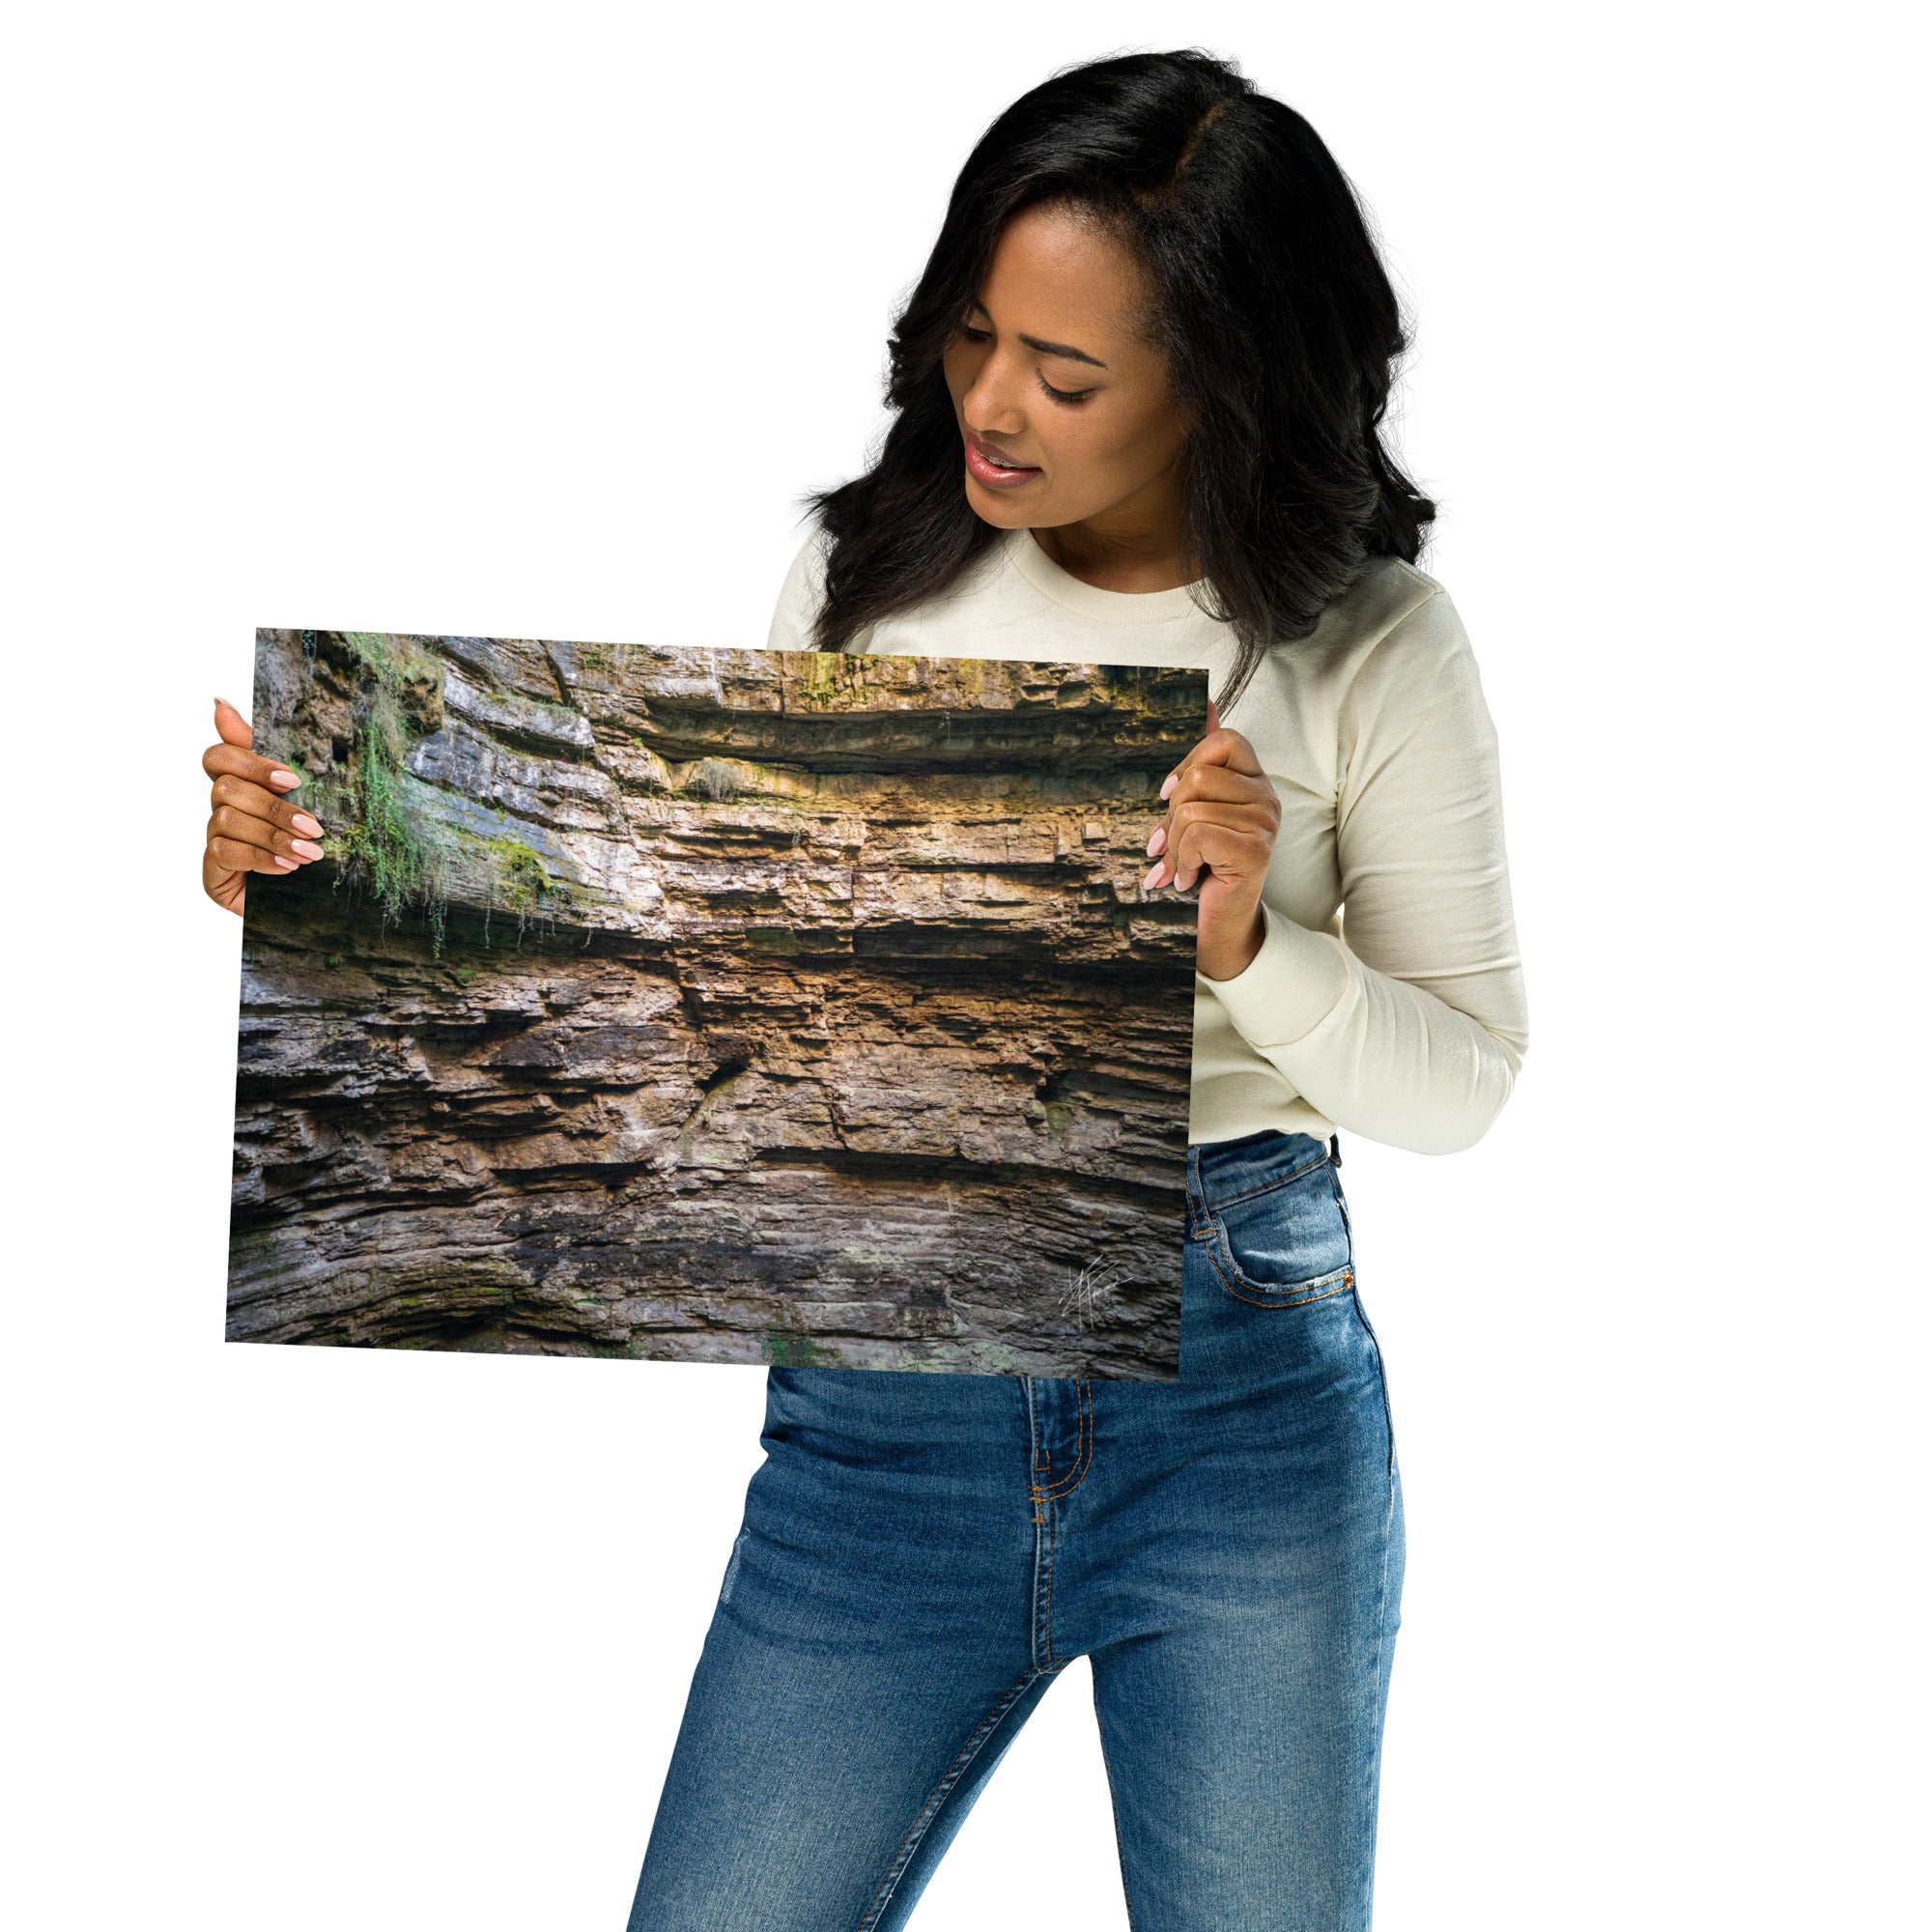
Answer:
(1137, 399)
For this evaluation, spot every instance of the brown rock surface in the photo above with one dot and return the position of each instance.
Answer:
(717, 1004)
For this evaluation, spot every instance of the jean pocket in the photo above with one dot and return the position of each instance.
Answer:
(1284, 1244)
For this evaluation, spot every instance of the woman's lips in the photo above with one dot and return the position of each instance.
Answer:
(994, 474)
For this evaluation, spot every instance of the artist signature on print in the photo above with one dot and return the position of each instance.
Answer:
(1094, 1291)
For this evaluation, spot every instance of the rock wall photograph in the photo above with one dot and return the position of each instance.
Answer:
(717, 1004)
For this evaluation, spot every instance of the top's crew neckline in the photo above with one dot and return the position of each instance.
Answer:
(1110, 607)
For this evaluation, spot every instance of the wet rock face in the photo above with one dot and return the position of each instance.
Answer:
(716, 1005)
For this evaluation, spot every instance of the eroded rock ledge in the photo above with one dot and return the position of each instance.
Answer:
(725, 1006)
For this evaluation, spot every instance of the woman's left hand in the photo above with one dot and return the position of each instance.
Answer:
(1222, 817)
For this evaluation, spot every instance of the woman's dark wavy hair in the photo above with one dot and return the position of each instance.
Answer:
(1278, 322)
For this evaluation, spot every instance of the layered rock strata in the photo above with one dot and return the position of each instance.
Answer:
(717, 1004)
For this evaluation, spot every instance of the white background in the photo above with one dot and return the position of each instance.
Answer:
(536, 320)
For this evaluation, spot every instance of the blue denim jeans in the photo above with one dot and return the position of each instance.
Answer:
(923, 1553)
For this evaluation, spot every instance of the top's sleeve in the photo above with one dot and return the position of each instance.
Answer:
(800, 596)
(1411, 1026)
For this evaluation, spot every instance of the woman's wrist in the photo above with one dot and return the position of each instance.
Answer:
(1216, 959)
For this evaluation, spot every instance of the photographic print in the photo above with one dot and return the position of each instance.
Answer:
(717, 1004)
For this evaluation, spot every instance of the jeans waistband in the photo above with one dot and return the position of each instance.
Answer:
(1219, 1171)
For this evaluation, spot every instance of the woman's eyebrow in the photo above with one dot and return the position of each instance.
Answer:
(1062, 349)
(1066, 350)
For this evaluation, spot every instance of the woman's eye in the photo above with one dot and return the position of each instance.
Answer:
(972, 334)
(1065, 395)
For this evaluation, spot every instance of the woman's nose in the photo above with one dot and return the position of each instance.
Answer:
(991, 406)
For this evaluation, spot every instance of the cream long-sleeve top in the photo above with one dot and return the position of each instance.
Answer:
(1388, 998)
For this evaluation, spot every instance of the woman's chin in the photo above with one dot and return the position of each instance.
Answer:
(997, 507)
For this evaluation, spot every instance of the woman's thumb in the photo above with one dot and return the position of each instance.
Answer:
(231, 727)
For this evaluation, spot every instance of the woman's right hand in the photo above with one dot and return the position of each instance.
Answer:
(253, 827)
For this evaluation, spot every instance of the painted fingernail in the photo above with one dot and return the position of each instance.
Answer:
(1158, 839)
(1173, 779)
(307, 848)
(1146, 884)
(287, 864)
(286, 779)
(309, 827)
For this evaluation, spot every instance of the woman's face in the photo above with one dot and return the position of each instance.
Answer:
(1047, 372)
